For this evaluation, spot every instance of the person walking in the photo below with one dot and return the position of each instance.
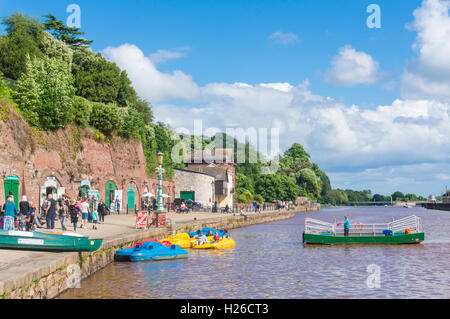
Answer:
(51, 212)
(74, 213)
(62, 213)
(84, 213)
(254, 206)
(10, 211)
(102, 211)
(117, 202)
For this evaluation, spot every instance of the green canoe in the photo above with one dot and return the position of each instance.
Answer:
(47, 242)
(407, 230)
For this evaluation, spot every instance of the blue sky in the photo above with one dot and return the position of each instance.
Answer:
(312, 68)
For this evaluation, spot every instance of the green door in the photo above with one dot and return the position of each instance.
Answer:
(11, 184)
(131, 198)
(110, 187)
(188, 195)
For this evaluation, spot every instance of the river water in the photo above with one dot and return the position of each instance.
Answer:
(269, 261)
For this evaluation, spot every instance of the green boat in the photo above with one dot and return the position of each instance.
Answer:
(406, 230)
(34, 240)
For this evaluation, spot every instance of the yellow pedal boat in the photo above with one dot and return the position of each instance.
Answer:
(181, 239)
(227, 243)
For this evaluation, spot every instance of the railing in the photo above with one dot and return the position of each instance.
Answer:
(314, 226)
(317, 226)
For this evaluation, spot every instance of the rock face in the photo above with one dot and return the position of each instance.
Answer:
(62, 160)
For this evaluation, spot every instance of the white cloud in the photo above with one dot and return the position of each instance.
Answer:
(428, 76)
(351, 67)
(283, 38)
(162, 56)
(152, 84)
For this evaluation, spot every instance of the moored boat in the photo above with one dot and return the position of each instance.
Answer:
(150, 251)
(180, 239)
(46, 242)
(406, 230)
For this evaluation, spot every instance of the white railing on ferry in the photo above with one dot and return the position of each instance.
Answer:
(317, 226)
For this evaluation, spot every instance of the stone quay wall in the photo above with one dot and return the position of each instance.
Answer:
(49, 281)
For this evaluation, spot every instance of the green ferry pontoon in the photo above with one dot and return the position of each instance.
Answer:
(406, 230)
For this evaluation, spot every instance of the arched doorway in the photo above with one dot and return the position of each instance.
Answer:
(110, 187)
(84, 189)
(51, 186)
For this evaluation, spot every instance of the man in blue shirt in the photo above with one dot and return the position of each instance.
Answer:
(346, 226)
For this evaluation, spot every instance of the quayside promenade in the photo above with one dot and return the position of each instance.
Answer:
(31, 274)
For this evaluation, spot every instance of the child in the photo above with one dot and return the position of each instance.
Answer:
(94, 219)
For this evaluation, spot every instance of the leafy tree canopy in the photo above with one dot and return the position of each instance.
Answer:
(69, 35)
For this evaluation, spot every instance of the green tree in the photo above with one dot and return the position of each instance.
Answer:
(307, 179)
(397, 196)
(69, 35)
(54, 48)
(45, 94)
(95, 78)
(276, 187)
(297, 151)
(336, 197)
(244, 182)
(22, 38)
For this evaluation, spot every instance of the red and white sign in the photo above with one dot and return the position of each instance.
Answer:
(161, 220)
(142, 218)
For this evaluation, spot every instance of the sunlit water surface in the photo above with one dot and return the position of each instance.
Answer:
(269, 261)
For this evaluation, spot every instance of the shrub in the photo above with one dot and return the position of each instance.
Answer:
(258, 198)
(82, 110)
(105, 118)
(132, 124)
(245, 196)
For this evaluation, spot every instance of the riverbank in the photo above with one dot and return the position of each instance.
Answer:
(29, 274)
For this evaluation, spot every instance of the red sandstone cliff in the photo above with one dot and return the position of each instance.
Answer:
(70, 155)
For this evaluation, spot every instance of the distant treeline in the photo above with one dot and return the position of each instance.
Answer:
(348, 196)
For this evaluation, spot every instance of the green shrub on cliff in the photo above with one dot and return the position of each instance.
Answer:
(82, 110)
(45, 94)
(133, 124)
(105, 118)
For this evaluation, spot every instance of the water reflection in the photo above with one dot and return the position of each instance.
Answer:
(269, 261)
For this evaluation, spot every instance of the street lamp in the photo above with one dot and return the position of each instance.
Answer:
(160, 171)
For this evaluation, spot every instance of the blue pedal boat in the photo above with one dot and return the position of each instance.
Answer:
(151, 251)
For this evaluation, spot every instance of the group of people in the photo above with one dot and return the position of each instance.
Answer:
(27, 218)
(202, 239)
(23, 219)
